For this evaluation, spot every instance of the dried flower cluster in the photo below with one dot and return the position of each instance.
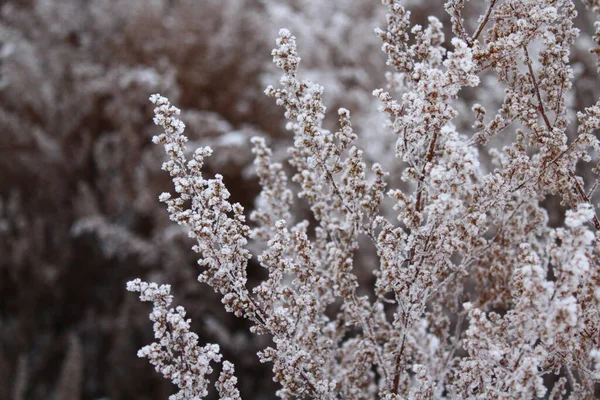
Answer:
(474, 294)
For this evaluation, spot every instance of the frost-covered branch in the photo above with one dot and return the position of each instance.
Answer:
(471, 292)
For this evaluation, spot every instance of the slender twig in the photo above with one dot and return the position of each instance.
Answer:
(578, 187)
(537, 89)
(484, 22)
(430, 154)
(396, 384)
(584, 197)
(457, 332)
(559, 100)
(593, 189)
(545, 167)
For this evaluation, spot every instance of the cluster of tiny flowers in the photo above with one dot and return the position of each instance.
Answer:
(176, 354)
(473, 294)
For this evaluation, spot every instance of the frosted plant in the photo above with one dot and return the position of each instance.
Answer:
(176, 353)
(474, 295)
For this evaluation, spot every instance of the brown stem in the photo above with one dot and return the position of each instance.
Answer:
(537, 90)
(484, 22)
(430, 154)
(398, 364)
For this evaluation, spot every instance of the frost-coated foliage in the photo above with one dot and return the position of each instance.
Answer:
(473, 293)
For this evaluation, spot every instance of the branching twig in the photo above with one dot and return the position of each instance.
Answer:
(484, 22)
